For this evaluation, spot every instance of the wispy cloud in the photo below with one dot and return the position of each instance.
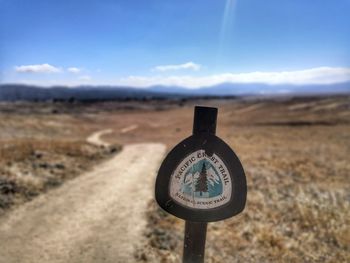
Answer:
(39, 68)
(321, 75)
(189, 65)
(74, 70)
(85, 78)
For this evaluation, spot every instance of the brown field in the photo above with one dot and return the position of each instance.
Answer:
(295, 152)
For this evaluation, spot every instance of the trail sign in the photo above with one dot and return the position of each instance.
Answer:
(201, 180)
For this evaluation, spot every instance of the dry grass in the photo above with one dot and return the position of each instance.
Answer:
(295, 154)
(32, 166)
(298, 207)
(20, 149)
(312, 225)
(41, 145)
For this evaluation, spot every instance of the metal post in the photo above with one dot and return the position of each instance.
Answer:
(194, 242)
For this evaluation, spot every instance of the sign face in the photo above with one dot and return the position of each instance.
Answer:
(201, 181)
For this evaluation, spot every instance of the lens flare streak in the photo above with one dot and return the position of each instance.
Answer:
(226, 26)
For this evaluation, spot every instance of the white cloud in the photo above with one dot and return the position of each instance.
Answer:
(189, 65)
(74, 70)
(39, 68)
(321, 75)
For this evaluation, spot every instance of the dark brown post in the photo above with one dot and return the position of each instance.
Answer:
(195, 232)
(194, 242)
(171, 184)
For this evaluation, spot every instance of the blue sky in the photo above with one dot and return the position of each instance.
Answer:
(184, 42)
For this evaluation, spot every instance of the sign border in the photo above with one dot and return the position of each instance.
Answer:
(210, 143)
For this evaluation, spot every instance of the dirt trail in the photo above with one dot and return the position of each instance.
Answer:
(95, 138)
(129, 128)
(97, 217)
(249, 108)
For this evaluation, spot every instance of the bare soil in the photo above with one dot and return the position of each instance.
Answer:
(97, 217)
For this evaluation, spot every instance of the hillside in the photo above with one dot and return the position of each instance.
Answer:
(18, 92)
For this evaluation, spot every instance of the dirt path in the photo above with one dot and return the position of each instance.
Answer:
(249, 108)
(97, 217)
(95, 138)
(129, 128)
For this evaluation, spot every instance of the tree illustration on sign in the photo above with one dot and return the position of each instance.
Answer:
(202, 181)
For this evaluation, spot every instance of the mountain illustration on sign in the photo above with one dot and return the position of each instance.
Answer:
(202, 181)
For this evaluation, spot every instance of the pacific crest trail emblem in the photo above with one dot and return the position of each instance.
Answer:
(200, 181)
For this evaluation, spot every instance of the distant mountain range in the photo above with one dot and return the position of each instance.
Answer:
(14, 92)
(17, 92)
(239, 89)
